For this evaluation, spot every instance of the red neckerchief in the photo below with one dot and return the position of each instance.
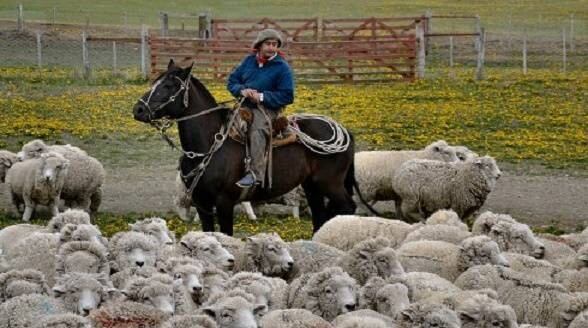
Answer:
(261, 60)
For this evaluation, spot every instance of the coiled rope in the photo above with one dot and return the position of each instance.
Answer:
(337, 143)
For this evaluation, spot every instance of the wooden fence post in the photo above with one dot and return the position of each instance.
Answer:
(144, 35)
(450, 51)
(54, 16)
(319, 28)
(565, 57)
(480, 62)
(19, 18)
(428, 30)
(525, 54)
(420, 39)
(164, 23)
(39, 50)
(114, 59)
(572, 44)
(478, 30)
(204, 26)
(85, 57)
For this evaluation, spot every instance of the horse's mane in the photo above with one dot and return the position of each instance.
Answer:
(204, 91)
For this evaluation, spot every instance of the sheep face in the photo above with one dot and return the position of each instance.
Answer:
(155, 227)
(82, 232)
(32, 149)
(54, 166)
(338, 295)
(156, 291)
(81, 293)
(483, 312)
(392, 299)
(235, 312)
(441, 151)
(271, 255)
(209, 250)
(480, 250)
(517, 238)
(189, 277)
(139, 257)
(387, 263)
(489, 169)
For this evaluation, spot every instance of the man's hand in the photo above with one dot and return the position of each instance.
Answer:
(251, 94)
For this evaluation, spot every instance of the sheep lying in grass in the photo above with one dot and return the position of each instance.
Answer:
(207, 249)
(81, 293)
(425, 315)
(16, 283)
(236, 309)
(83, 183)
(345, 231)
(375, 170)
(38, 181)
(26, 310)
(7, 159)
(449, 260)
(132, 249)
(510, 235)
(293, 318)
(327, 293)
(266, 253)
(425, 186)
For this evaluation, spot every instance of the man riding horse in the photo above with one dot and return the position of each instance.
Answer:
(265, 79)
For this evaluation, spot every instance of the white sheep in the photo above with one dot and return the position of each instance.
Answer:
(533, 268)
(364, 318)
(4, 267)
(188, 285)
(266, 253)
(463, 153)
(22, 282)
(576, 240)
(446, 217)
(425, 315)
(121, 278)
(207, 249)
(26, 310)
(7, 159)
(327, 293)
(345, 231)
(255, 284)
(425, 186)
(82, 232)
(156, 291)
(311, 256)
(213, 281)
(581, 320)
(41, 257)
(132, 249)
(38, 181)
(440, 232)
(481, 311)
(189, 321)
(558, 253)
(156, 227)
(235, 309)
(82, 256)
(573, 280)
(293, 318)
(510, 235)
(386, 298)
(449, 260)
(83, 183)
(63, 320)
(81, 293)
(375, 170)
(422, 284)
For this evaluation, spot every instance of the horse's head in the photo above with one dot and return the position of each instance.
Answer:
(168, 96)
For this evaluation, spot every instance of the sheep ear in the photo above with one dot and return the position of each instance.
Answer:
(185, 245)
(468, 317)
(260, 309)
(364, 254)
(210, 311)
(407, 315)
(437, 148)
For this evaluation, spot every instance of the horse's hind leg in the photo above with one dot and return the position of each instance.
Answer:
(206, 218)
(316, 202)
(340, 202)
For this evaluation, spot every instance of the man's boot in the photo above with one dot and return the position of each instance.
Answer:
(257, 142)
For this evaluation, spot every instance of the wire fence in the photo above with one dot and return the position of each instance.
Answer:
(117, 41)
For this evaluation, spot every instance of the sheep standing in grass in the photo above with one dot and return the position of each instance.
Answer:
(266, 253)
(207, 249)
(425, 186)
(449, 260)
(375, 170)
(16, 283)
(510, 235)
(345, 231)
(7, 159)
(38, 181)
(327, 293)
(132, 249)
(83, 183)
(293, 318)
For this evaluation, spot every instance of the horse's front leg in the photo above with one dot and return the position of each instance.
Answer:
(224, 209)
(206, 215)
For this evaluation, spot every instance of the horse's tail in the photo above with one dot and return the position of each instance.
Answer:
(350, 183)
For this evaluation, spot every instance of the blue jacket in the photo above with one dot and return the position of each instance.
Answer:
(274, 80)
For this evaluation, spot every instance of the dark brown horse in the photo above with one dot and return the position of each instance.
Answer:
(327, 179)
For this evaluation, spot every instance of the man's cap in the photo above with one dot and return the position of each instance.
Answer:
(267, 34)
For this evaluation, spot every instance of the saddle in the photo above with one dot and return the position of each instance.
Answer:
(281, 133)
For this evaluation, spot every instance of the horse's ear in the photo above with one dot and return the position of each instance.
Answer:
(171, 64)
(186, 72)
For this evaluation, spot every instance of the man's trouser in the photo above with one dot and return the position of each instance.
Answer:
(259, 132)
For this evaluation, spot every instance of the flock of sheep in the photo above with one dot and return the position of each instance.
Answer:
(362, 272)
